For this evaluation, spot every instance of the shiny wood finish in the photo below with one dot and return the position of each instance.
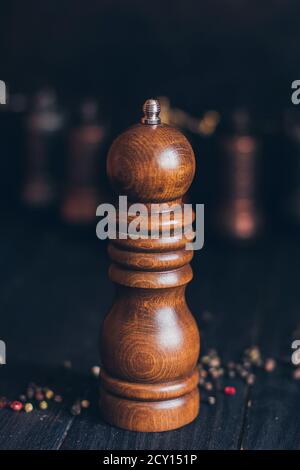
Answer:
(83, 194)
(239, 215)
(151, 164)
(149, 339)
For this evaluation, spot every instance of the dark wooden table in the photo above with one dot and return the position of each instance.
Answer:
(54, 293)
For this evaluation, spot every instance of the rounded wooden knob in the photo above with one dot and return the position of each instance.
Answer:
(151, 162)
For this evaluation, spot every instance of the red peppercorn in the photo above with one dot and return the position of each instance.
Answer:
(230, 390)
(39, 396)
(16, 405)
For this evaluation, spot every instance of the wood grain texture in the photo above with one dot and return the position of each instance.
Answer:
(151, 164)
(149, 339)
(253, 295)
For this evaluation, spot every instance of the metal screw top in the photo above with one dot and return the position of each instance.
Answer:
(151, 110)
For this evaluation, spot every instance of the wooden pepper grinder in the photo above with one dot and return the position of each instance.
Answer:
(45, 126)
(83, 195)
(239, 215)
(150, 340)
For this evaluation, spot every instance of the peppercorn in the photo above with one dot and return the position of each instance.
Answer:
(28, 407)
(211, 400)
(203, 373)
(254, 355)
(215, 362)
(270, 365)
(49, 394)
(250, 379)
(39, 396)
(208, 386)
(85, 404)
(16, 405)
(201, 381)
(230, 390)
(95, 371)
(58, 398)
(205, 360)
(76, 408)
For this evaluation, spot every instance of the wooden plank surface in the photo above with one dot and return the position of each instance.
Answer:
(273, 421)
(53, 294)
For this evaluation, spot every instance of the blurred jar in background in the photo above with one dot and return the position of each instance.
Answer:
(82, 192)
(44, 165)
(238, 214)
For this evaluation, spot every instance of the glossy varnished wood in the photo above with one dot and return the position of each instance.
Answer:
(149, 339)
(151, 163)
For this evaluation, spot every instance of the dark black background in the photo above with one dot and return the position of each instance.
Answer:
(208, 55)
